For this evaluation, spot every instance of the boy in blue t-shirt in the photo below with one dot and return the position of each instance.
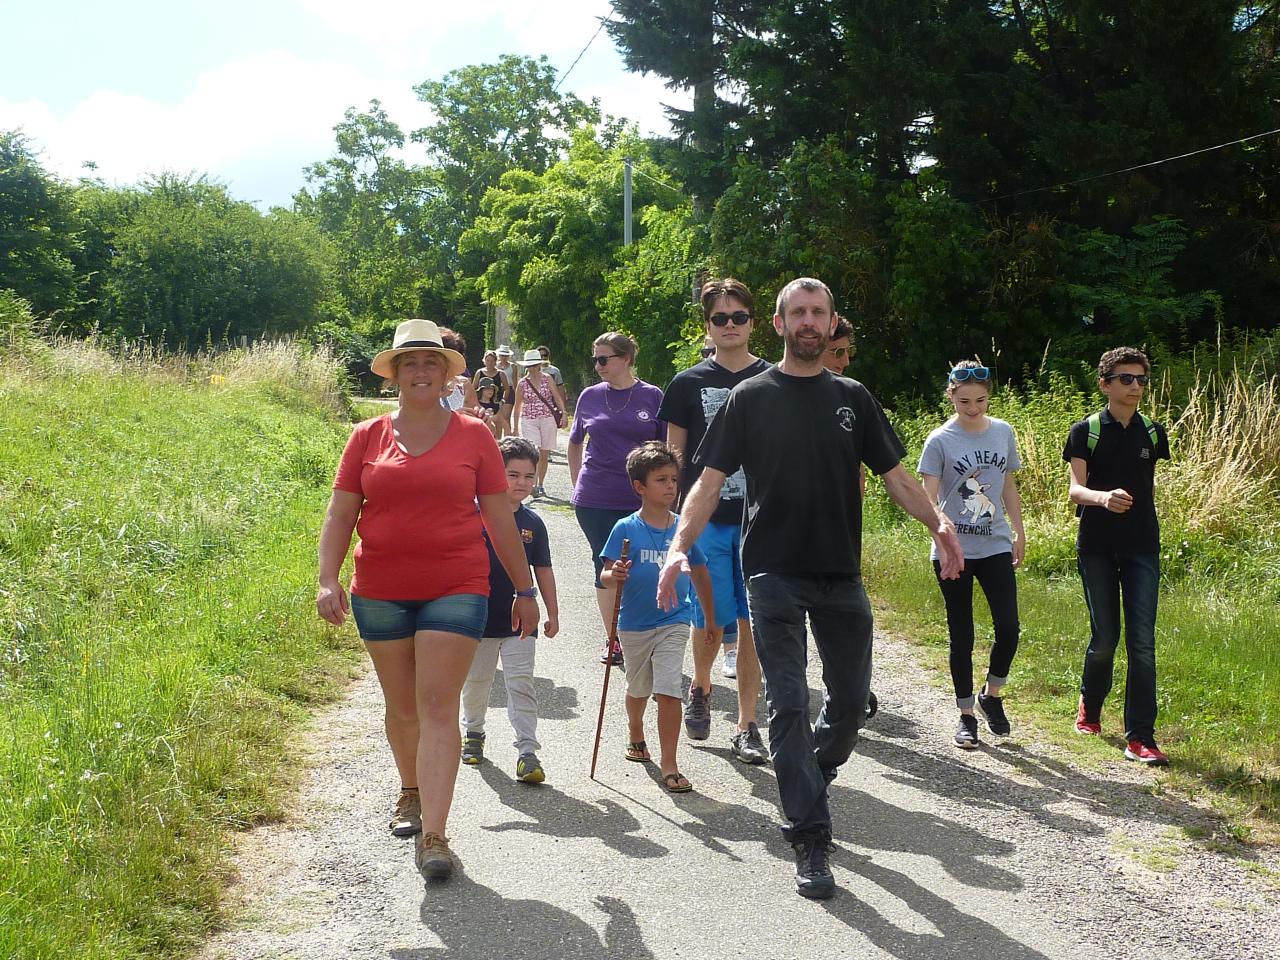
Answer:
(521, 459)
(654, 640)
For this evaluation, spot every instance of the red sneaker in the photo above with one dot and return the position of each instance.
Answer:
(1147, 753)
(1084, 725)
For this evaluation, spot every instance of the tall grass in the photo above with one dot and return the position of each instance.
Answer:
(158, 516)
(1218, 637)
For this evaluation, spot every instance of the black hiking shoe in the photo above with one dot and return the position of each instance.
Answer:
(813, 874)
(993, 709)
(697, 714)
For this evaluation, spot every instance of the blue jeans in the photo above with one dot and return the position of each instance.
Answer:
(1128, 581)
(805, 758)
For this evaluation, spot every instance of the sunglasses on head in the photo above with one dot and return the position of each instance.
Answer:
(604, 358)
(961, 374)
(739, 318)
(1128, 378)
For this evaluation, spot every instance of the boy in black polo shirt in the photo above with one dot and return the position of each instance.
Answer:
(1113, 457)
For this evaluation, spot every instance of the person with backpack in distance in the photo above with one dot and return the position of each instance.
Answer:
(1112, 456)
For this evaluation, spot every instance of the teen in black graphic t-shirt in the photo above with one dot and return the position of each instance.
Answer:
(688, 406)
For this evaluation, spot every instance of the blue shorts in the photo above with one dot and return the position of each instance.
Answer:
(460, 613)
(722, 543)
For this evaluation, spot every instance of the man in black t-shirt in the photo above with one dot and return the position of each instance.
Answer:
(799, 434)
(690, 402)
(1113, 458)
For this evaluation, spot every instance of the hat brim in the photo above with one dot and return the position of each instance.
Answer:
(530, 363)
(382, 362)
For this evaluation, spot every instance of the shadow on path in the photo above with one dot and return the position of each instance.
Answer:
(553, 813)
(476, 923)
(959, 936)
(554, 701)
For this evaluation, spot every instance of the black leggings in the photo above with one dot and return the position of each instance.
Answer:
(995, 576)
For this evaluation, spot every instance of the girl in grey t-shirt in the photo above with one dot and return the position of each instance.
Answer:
(968, 466)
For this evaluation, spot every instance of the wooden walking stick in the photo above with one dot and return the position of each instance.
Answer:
(608, 662)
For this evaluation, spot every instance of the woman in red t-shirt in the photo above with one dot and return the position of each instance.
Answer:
(409, 483)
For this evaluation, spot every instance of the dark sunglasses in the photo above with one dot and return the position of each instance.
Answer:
(739, 318)
(604, 358)
(1128, 378)
(708, 352)
(961, 374)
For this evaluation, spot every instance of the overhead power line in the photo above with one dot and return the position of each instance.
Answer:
(565, 76)
(1136, 166)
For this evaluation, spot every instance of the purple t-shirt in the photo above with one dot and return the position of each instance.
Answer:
(613, 423)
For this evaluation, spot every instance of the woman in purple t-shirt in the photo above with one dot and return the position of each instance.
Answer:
(611, 419)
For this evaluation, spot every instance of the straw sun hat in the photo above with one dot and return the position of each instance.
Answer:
(417, 335)
(531, 358)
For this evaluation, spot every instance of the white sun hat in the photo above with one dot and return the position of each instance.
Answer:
(531, 358)
(417, 335)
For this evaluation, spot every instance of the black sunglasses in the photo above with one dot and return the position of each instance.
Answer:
(708, 352)
(604, 358)
(961, 374)
(1128, 378)
(739, 318)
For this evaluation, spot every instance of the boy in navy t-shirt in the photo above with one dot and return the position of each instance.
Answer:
(654, 640)
(500, 640)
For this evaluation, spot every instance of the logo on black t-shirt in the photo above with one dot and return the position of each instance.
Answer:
(847, 417)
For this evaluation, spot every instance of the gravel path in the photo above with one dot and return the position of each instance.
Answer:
(1006, 852)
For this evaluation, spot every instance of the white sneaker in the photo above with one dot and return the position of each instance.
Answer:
(729, 668)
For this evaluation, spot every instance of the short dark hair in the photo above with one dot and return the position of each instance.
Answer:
(843, 328)
(713, 290)
(803, 283)
(453, 340)
(543, 349)
(517, 448)
(1114, 358)
(648, 457)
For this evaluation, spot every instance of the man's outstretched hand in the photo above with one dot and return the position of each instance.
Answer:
(676, 564)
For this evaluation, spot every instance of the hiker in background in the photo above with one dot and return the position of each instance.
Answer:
(508, 371)
(500, 640)
(551, 369)
(408, 483)
(487, 394)
(967, 468)
(610, 419)
(462, 397)
(691, 400)
(539, 412)
(1112, 456)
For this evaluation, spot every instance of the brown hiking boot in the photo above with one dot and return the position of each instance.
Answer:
(407, 820)
(431, 854)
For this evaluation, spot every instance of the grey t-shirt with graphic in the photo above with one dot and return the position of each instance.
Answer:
(971, 470)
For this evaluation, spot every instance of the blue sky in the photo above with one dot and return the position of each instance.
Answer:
(248, 92)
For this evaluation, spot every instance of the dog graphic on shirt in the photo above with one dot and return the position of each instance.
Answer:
(974, 500)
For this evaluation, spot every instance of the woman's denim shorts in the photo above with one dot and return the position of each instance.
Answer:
(461, 613)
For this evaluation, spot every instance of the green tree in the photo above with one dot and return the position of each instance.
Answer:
(551, 239)
(180, 261)
(39, 230)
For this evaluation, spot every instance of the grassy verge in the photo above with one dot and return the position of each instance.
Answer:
(1218, 637)
(157, 538)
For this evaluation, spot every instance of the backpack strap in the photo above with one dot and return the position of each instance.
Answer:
(1095, 431)
(1151, 431)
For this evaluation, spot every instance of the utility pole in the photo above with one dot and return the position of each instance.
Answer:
(626, 201)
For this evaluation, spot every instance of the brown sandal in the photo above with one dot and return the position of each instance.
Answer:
(638, 751)
(676, 783)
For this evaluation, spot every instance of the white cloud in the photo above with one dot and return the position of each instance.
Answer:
(267, 116)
